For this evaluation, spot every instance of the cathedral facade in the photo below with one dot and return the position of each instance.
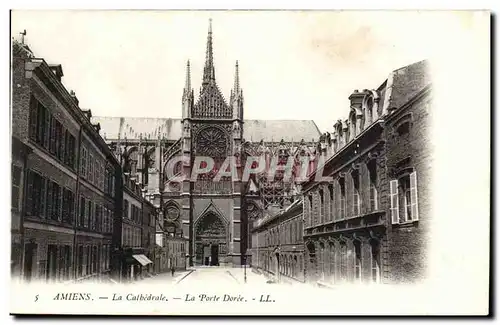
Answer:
(214, 216)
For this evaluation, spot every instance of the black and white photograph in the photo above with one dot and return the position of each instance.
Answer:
(246, 162)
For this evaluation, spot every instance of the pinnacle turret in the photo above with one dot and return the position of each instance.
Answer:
(209, 70)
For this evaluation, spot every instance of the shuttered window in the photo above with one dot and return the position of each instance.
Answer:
(414, 196)
(84, 162)
(394, 201)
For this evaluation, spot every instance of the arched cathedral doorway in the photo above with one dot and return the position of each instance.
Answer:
(211, 238)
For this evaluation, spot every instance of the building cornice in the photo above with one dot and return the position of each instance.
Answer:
(40, 67)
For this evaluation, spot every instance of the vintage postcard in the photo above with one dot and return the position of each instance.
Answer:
(250, 162)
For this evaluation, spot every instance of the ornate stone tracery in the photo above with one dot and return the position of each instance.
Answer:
(212, 142)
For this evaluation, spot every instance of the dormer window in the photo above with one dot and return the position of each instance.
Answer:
(404, 128)
(352, 122)
(369, 111)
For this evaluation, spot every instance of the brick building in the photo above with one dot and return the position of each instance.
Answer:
(133, 259)
(149, 217)
(64, 178)
(365, 224)
(278, 246)
(408, 159)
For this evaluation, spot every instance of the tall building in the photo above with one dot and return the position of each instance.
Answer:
(369, 222)
(215, 217)
(64, 179)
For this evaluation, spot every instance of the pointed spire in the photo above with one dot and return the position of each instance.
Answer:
(187, 86)
(209, 71)
(236, 86)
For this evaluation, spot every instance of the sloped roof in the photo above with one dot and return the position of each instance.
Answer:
(171, 129)
(133, 127)
(275, 130)
(408, 81)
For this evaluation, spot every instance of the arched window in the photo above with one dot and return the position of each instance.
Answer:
(353, 128)
(357, 260)
(340, 135)
(295, 266)
(310, 200)
(321, 261)
(332, 262)
(343, 261)
(342, 198)
(403, 128)
(403, 125)
(356, 199)
(332, 202)
(375, 260)
(369, 111)
(321, 206)
(372, 171)
(311, 267)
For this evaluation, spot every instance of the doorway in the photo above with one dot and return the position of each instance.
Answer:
(51, 262)
(214, 253)
(29, 256)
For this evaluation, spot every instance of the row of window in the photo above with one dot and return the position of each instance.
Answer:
(92, 259)
(58, 265)
(131, 236)
(95, 217)
(345, 263)
(348, 130)
(109, 182)
(289, 232)
(132, 212)
(329, 203)
(95, 172)
(179, 247)
(47, 199)
(290, 265)
(50, 133)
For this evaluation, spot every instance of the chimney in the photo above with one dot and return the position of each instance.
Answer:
(57, 70)
(73, 95)
(97, 127)
(87, 112)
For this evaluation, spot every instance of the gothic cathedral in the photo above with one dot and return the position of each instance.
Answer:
(216, 217)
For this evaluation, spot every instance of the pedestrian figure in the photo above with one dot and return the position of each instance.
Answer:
(173, 270)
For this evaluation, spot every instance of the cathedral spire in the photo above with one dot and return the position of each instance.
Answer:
(236, 86)
(187, 86)
(187, 96)
(209, 71)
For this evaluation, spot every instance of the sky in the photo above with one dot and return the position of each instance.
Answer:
(293, 64)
